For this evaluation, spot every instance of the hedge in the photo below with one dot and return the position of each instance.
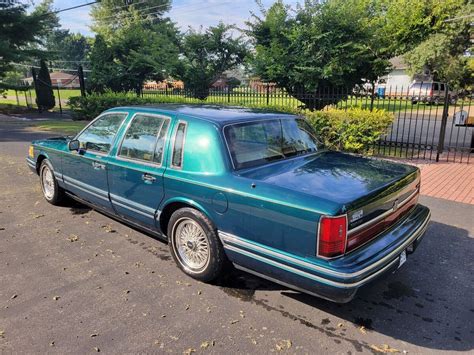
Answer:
(354, 130)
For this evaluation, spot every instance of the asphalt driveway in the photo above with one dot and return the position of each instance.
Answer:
(75, 281)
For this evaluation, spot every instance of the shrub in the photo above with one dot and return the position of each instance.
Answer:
(355, 130)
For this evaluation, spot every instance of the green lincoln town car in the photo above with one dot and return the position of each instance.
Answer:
(237, 186)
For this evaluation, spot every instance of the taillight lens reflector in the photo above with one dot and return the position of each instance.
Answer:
(332, 236)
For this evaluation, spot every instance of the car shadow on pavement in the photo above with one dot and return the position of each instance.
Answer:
(428, 302)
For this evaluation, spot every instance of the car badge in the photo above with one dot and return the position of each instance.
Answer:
(357, 215)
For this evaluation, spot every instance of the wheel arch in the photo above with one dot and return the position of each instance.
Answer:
(174, 204)
(41, 156)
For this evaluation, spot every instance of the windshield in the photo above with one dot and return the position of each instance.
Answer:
(256, 143)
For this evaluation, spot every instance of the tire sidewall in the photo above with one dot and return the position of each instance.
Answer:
(216, 260)
(56, 195)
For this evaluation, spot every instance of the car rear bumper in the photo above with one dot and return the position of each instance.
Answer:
(339, 279)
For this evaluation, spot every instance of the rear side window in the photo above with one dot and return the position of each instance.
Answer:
(435, 86)
(178, 147)
(145, 138)
(100, 134)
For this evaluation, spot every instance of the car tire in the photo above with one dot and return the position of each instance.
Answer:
(52, 192)
(195, 245)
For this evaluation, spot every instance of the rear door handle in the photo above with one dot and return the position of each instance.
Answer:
(98, 166)
(149, 179)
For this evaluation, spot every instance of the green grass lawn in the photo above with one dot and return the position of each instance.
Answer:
(60, 126)
(65, 94)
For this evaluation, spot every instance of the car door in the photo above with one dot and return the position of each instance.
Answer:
(135, 172)
(85, 171)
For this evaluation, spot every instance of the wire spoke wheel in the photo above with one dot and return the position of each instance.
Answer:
(191, 244)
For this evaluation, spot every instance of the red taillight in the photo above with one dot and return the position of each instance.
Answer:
(332, 236)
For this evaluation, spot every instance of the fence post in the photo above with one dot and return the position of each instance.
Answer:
(444, 121)
(17, 99)
(26, 99)
(268, 94)
(59, 100)
(372, 96)
(82, 83)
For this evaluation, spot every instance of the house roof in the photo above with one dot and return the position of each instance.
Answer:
(214, 113)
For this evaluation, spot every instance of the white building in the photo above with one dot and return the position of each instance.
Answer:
(399, 80)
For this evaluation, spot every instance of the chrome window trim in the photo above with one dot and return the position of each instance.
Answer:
(145, 162)
(178, 167)
(97, 118)
(264, 120)
(227, 237)
(383, 215)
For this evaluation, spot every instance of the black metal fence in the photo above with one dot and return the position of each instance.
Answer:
(424, 125)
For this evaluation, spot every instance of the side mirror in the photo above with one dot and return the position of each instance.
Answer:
(74, 145)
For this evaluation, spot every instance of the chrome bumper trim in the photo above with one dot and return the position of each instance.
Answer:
(229, 238)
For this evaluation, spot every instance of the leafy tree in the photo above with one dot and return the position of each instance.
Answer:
(44, 90)
(318, 46)
(136, 53)
(63, 45)
(110, 16)
(206, 55)
(21, 33)
(136, 44)
(435, 35)
(103, 74)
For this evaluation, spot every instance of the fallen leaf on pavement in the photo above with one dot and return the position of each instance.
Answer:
(283, 345)
(362, 329)
(340, 325)
(36, 216)
(93, 335)
(73, 238)
(2, 334)
(13, 297)
(189, 351)
(234, 321)
(206, 344)
(97, 349)
(108, 228)
(384, 349)
(187, 307)
(56, 298)
(52, 343)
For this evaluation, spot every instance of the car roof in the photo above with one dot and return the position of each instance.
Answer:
(221, 115)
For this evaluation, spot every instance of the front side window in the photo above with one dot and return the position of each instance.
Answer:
(100, 134)
(256, 143)
(177, 158)
(145, 138)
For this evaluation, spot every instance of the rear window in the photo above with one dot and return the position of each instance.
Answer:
(256, 143)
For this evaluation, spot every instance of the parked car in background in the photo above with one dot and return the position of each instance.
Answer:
(247, 187)
(431, 92)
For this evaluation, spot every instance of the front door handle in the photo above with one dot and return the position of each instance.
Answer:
(98, 166)
(149, 179)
